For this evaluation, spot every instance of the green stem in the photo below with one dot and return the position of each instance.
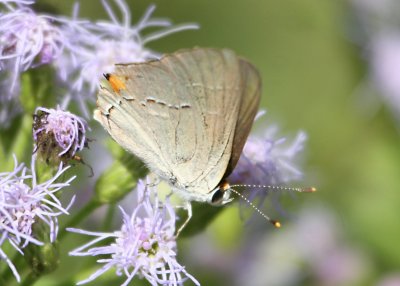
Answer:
(78, 217)
(30, 279)
(109, 217)
(22, 144)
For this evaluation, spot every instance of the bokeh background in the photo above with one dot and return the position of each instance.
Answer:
(317, 63)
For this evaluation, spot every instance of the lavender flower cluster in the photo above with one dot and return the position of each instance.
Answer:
(145, 245)
(379, 23)
(80, 51)
(24, 202)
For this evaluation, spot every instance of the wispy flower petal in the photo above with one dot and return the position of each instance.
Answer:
(99, 46)
(144, 247)
(27, 40)
(24, 202)
(58, 131)
(268, 159)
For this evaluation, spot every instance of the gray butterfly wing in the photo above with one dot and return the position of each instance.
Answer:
(180, 115)
(251, 93)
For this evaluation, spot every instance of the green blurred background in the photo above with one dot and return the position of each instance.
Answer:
(311, 71)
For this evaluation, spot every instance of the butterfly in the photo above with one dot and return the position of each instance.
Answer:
(186, 116)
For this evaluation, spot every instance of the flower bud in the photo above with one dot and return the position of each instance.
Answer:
(42, 258)
(58, 135)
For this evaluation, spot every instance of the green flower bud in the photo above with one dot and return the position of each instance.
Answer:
(42, 258)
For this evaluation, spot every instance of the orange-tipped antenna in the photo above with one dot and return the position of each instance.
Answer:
(279, 188)
(310, 190)
(275, 223)
(80, 160)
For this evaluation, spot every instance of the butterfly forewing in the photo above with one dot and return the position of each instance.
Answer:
(180, 114)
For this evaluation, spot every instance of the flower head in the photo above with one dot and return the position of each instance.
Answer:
(145, 246)
(379, 40)
(99, 46)
(58, 133)
(268, 160)
(385, 63)
(312, 250)
(27, 40)
(24, 202)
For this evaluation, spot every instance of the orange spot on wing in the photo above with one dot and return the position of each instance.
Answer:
(116, 84)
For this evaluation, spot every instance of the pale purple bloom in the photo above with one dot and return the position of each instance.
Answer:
(27, 40)
(145, 246)
(268, 159)
(380, 45)
(311, 251)
(17, 2)
(99, 46)
(318, 237)
(23, 202)
(392, 279)
(67, 129)
(377, 12)
(385, 64)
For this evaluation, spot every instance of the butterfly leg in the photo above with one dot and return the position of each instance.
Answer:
(153, 180)
(188, 207)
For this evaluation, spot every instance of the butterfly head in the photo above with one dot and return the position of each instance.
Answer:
(221, 195)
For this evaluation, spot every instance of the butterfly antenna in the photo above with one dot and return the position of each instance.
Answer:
(80, 160)
(279, 188)
(275, 223)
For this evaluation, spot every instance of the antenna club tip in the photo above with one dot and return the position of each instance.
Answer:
(276, 223)
(310, 190)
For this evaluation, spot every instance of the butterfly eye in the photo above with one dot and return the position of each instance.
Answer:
(217, 197)
(221, 194)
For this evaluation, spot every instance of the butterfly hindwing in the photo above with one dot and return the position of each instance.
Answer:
(250, 100)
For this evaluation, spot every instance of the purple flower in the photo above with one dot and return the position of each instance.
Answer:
(385, 63)
(391, 279)
(27, 40)
(17, 2)
(24, 202)
(376, 11)
(145, 246)
(380, 45)
(311, 251)
(58, 131)
(267, 160)
(99, 46)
